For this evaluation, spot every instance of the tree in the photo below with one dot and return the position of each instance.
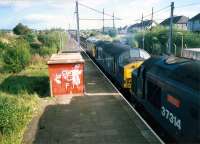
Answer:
(21, 29)
(30, 37)
(17, 56)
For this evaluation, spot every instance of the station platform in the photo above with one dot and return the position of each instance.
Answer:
(101, 116)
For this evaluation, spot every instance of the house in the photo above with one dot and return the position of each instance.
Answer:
(122, 30)
(107, 29)
(179, 22)
(194, 23)
(146, 24)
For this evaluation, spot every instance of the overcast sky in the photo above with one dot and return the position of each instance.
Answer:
(40, 14)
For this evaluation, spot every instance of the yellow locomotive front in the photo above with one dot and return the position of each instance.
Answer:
(128, 72)
(135, 59)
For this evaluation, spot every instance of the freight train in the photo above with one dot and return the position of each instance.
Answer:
(117, 60)
(167, 87)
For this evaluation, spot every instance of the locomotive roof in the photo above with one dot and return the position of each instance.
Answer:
(114, 49)
(182, 70)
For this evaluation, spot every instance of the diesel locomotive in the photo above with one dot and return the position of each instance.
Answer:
(117, 60)
(167, 87)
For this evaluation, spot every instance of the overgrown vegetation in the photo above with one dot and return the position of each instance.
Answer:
(19, 98)
(155, 40)
(17, 55)
(15, 113)
(24, 77)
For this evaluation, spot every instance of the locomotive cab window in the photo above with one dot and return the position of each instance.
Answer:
(154, 94)
(144, 54)
(134, 53)
(99, 52)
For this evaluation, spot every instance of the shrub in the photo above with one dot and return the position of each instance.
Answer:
(112, 33)
(2, 48)
(15, 113)
(17, 56)
(46, 51)
(156, 40)
(30, 37)
(37, 59)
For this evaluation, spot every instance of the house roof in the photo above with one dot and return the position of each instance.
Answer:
(176, 20)
(196, 17)
(146, 23)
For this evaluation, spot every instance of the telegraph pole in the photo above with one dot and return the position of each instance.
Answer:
(142, 22)
(142, 31)
(103, 20)
(171, 29)
(113, 21)
(152, 18)
(77, 22)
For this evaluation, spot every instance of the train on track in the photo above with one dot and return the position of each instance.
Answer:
(167, 87)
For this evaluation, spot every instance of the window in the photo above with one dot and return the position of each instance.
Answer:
(134, 53)
(99, 52)
(154, 94)
(144, 54)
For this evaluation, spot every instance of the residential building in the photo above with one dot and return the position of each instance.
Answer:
(194, 23)
(179, 22)
(146, 24)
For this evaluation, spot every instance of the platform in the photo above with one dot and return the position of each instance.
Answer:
(101, 116)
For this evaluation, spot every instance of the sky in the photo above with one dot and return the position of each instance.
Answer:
(46, 14)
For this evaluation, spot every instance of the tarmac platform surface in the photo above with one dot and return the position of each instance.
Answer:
(101, 116)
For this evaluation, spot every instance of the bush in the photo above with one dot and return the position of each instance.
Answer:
(30, 37)
(112, 33)
(37, 59)
(15, 113)
(46, 51)
(17, 56)
(2, 48)
(156, 40)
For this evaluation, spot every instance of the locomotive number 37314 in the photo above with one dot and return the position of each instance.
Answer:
(171, 118)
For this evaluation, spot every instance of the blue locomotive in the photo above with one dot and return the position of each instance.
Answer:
(169, 89)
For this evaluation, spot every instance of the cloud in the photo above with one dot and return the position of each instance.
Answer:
(17, 5)
(4, 3)
(47, 21)
(93, 3)
(44, 17)
(146, 2)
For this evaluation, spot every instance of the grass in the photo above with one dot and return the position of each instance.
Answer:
(15, 113)
(19, 100)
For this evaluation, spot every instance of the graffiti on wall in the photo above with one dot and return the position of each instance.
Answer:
(69, 78)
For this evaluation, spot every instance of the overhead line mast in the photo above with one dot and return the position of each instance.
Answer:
(171, 29)
(77, 21)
